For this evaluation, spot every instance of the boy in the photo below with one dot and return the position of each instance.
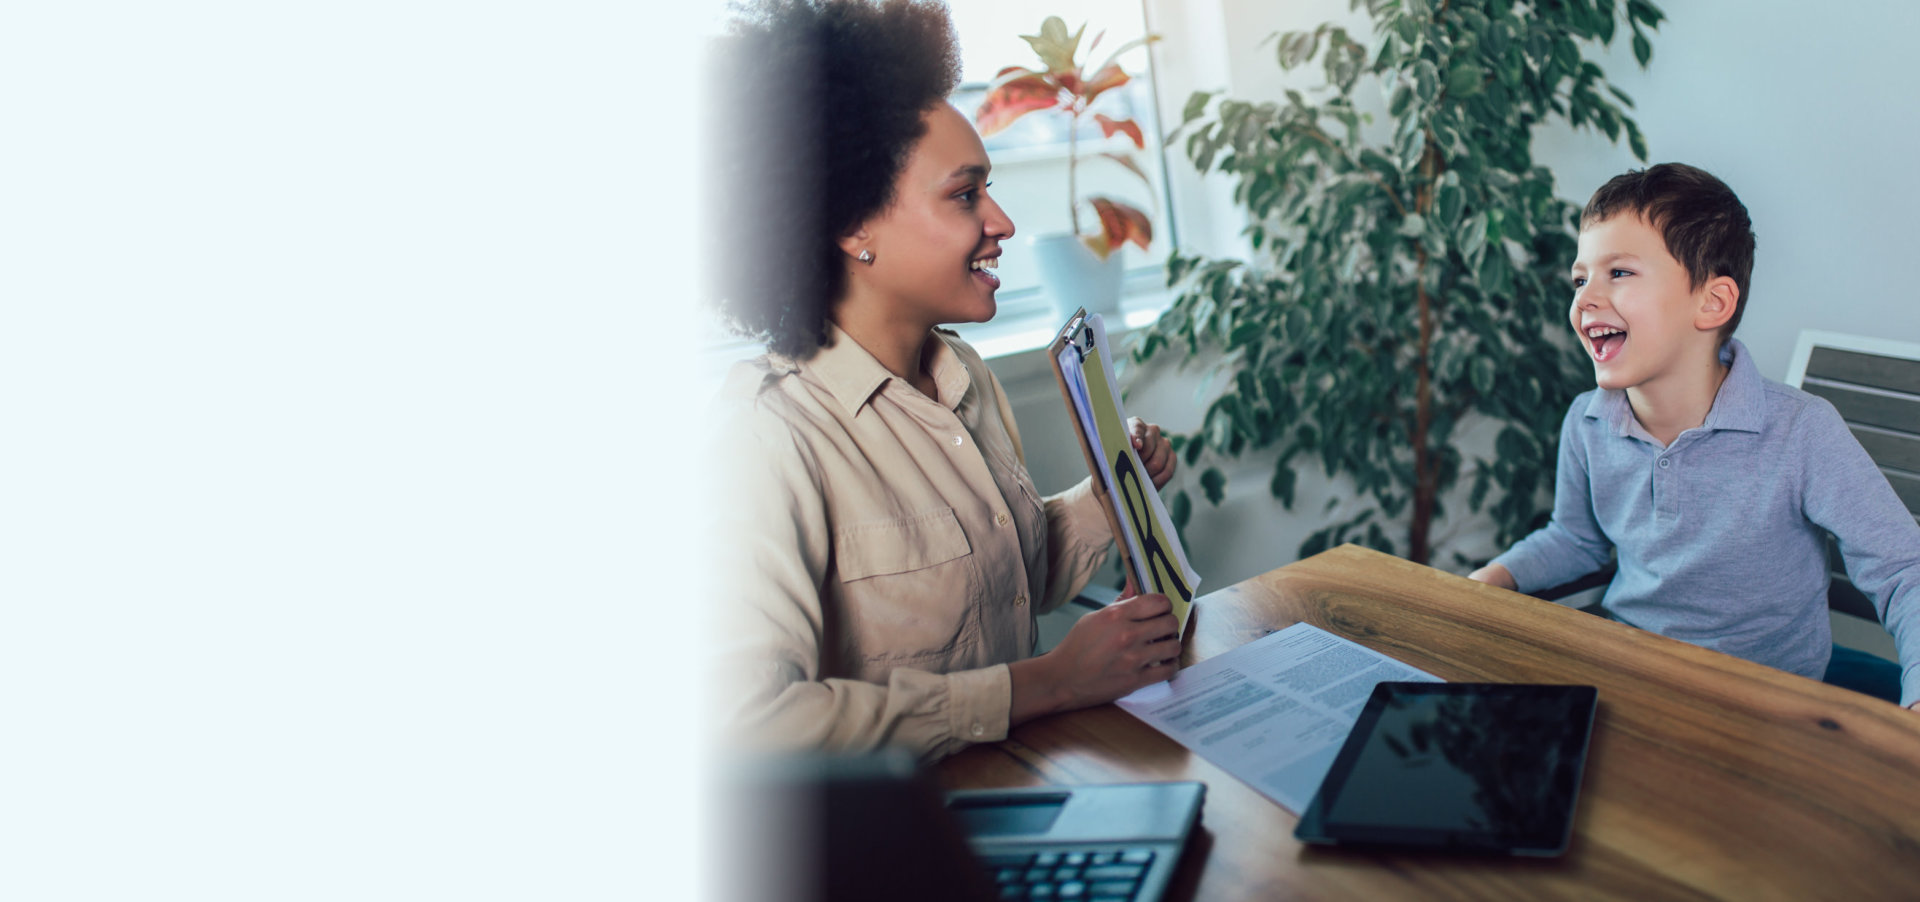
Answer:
(1713, 484)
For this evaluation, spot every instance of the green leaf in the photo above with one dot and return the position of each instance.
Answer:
(1196, 105)
(1426, 80)
(1449, 201)
(1636, 141)
(1181, 510)
(1480, 374)
(1214, 484)
(1283, 483)
(1402, 100)
(1412, 226)
(1464, 80)
(1316, 543)
(1642, 49)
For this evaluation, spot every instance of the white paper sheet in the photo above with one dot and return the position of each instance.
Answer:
(1275, 711)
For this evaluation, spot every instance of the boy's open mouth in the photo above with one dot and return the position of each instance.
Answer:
(1606, 341)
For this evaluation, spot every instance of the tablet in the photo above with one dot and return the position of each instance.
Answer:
(1466, 767)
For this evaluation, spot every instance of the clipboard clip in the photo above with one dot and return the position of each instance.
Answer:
(1077, 335)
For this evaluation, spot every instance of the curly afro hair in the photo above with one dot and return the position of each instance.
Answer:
(817, 106)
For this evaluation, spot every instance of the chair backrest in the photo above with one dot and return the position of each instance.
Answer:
(1875, 384)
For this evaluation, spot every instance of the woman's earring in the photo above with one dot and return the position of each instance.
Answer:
(866, 257)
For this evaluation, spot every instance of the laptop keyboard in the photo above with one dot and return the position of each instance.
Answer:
(1103, 875)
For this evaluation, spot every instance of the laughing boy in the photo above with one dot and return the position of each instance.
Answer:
(1714, 485)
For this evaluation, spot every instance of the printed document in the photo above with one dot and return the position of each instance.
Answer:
(1275, 711)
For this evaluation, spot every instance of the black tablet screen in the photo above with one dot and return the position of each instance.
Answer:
(1489, 767)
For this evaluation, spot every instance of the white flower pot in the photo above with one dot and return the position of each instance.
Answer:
(1073, 277)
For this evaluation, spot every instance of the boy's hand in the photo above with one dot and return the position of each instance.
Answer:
(1156, 450)
(1495, 575)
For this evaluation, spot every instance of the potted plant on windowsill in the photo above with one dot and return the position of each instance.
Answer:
(1080, 268)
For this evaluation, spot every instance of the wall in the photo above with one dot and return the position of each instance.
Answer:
(1815, 141)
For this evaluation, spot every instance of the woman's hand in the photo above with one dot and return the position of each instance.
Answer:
(1109, 653)
(1156, 450)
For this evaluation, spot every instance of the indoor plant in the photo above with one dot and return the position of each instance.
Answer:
(1073, 263)
(1400, 286)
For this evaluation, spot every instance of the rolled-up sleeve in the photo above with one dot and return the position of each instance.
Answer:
(1078, 540)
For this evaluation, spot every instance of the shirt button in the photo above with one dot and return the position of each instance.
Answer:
(979, 730)
(1000, 519)
(956, 441)
(1020, 601)
(1665, 463)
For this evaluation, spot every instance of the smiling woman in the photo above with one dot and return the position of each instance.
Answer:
(883, 551)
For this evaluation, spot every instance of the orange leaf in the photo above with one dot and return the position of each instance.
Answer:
(1102, 81)
(1127, 161)
(1013, 98)
(1121, 223)
(1110, 125)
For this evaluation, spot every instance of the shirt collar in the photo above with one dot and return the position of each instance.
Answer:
(1740, 403)
(852, 375)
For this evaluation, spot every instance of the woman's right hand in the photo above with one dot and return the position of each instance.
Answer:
(1105, 655)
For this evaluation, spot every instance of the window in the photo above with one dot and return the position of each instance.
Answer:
(1030, 158)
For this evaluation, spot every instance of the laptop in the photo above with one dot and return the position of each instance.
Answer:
(876, 827)
(1114, 842)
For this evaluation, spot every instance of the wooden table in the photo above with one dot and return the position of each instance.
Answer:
(1709, 776)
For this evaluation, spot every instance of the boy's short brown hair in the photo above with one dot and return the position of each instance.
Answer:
(1704, 224)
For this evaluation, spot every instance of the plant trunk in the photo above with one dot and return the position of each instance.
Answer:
(1073, 171)
(1426, 477)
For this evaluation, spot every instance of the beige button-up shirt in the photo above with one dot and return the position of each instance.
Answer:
(883, 553)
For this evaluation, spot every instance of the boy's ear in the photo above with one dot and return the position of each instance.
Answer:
(1719, 300)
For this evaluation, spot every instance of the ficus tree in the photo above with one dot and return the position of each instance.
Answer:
(1408, 274)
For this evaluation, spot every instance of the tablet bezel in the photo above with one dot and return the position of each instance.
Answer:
(1582, 705)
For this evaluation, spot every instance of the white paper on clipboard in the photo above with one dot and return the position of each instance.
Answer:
(1158, 560)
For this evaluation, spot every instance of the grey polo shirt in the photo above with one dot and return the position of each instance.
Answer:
(1720, 534)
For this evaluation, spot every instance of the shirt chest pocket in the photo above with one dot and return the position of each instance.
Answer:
(907, 588)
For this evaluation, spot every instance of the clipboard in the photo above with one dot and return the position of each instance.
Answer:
(1150, 549)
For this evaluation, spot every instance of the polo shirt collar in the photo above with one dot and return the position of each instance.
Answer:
(1742, 400)
(1740, 404)
(852, 375)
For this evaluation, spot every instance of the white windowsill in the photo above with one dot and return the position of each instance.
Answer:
(1144, 296)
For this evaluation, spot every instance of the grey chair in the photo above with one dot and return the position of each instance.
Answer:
(1875, 384)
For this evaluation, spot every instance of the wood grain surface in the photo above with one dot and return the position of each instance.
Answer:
(1709, 777)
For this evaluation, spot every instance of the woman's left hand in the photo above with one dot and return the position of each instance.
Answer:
(1155, 450)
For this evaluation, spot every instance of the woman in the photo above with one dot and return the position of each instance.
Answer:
(884, 550)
